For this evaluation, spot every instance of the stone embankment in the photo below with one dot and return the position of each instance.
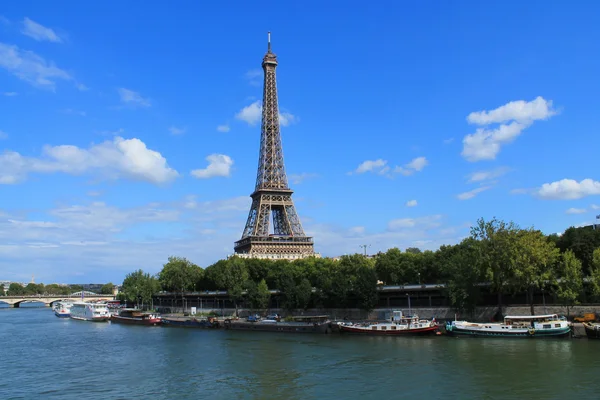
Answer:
(481, 314)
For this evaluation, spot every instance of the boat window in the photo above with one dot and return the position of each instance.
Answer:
(383, 328)
(393, 327)
(547, 326)
(374, 328)
(557, 325)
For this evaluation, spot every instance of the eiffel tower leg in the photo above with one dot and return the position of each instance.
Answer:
(264, 214)
(251, 221)
(294, 221)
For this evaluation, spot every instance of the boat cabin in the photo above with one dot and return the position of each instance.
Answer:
(531, 320)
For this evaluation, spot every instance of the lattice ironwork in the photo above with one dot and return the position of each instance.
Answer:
(272, 196)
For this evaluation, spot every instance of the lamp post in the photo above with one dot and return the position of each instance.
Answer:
(365, 246)
(419, 274)
(408, 295)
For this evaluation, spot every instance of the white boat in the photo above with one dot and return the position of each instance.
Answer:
(398, 325)
(62, 309)
(524, 326)
(90, 311)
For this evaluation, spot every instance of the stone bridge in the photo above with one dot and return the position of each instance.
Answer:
(15, 301)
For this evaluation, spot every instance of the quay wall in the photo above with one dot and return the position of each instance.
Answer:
(481, 314)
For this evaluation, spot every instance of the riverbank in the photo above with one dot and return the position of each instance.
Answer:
(480, 314)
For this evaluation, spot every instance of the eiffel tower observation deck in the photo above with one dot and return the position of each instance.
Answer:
(272, 197)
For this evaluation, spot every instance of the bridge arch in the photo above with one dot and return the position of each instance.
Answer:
(17, 304)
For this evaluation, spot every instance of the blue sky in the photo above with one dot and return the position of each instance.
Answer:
(131, 133)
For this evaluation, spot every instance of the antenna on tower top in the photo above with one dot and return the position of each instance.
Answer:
(269, 41)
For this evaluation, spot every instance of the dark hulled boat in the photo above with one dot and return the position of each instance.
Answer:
(592, 330)
(133, 316)
(190, 322)
(308, 324)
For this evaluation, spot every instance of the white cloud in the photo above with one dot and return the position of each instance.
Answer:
(95, 236)
(520, 111)
(357, 230)
(39, 32)
(218, 165)
(371, 166)
(101, 241)
(254, 77)
(427, 222)
(177, 131)
(286, 119)
(411, 203)
(416, 165)
(485, 143)
(448, 141)
(488, 175)
(568, 189)
(3, 135)
(31, 68)
(119, 158)
(81, 87)
(250, 114)
(132, 98)
(472, 193)
(381, 167)
(10, 94)
(573, 210)
(223, 128)
(595, 207)
(299, 178)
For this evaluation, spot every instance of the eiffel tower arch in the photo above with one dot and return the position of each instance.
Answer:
(272, 197)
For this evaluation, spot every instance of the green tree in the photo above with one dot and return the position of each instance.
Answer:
(139, 287)
(107, 288)
(34, 288)
(387, 266)
(360, 280)
(56, 289)
(295, 294)
(232, 276)
(582, 241)
(535, 258)
(258, 294)
(75, 288)
(15, 289)
(595, 272)
(413, 250)
(570, 282)
(496, 252)
(462, 274)
(179, 275)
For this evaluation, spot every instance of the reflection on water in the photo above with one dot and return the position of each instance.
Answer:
(54, 358)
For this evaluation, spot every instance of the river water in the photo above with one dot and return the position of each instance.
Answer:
(44, 357)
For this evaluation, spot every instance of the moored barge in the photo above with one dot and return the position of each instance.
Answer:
(530, 326)
(592, 330)
(398, 325)
(133, 316)
(303, 324)
(191, 322)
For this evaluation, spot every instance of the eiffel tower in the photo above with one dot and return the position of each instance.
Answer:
(272, 196)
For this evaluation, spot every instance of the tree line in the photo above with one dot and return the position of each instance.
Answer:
(32, 289)
(498, 256)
